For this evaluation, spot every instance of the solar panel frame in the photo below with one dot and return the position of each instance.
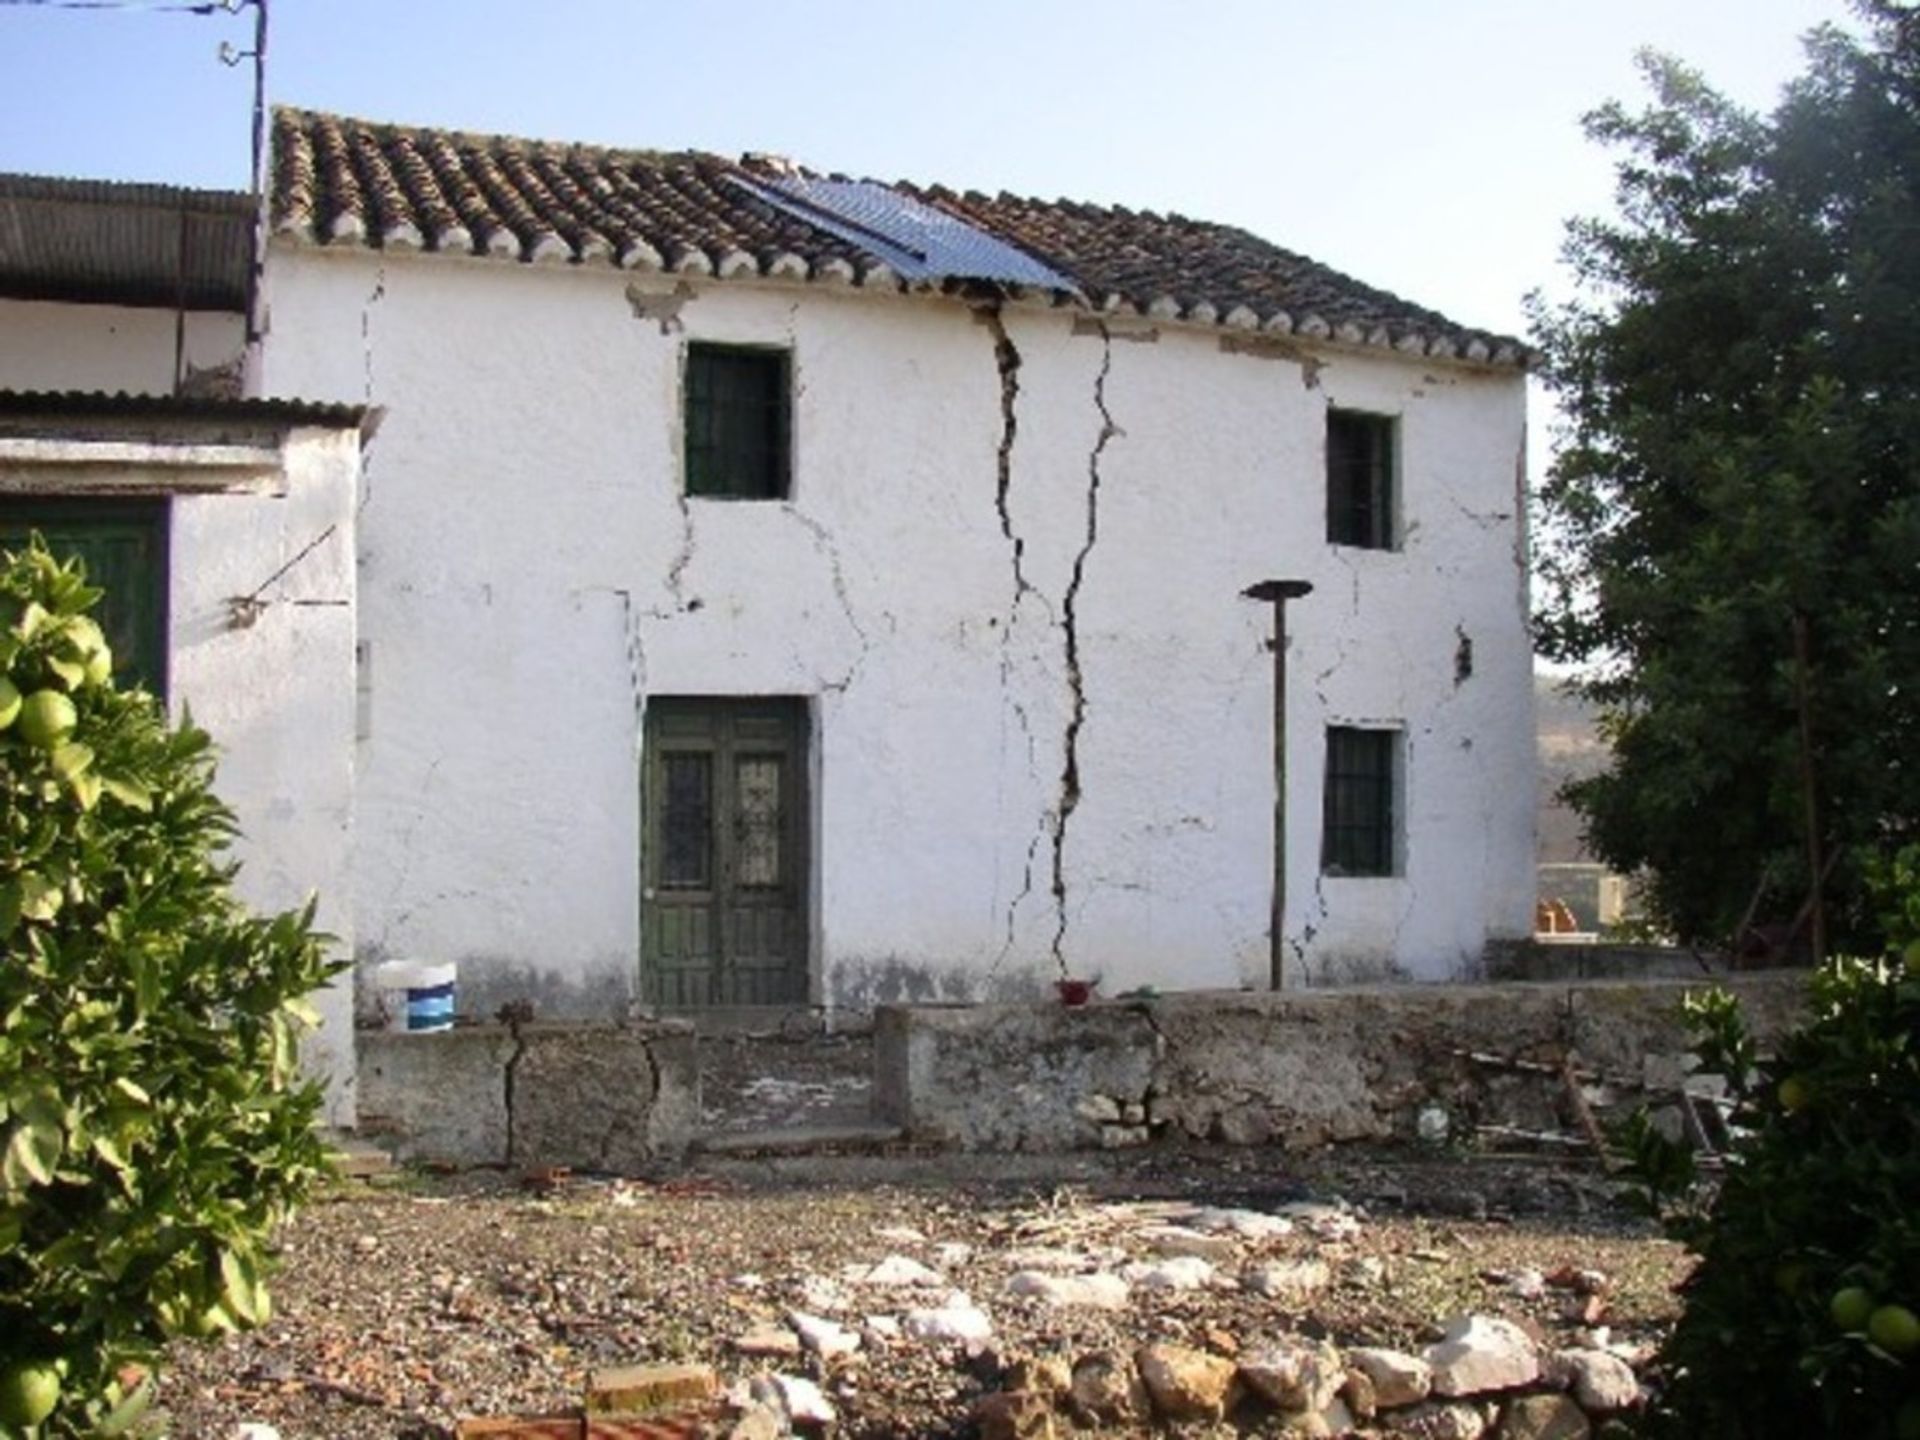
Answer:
(918, 242)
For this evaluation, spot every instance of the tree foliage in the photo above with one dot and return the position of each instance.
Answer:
(1803, 1314)
(1741, 385)
(153, 1122)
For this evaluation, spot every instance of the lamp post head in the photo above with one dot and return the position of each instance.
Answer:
(1278, 590)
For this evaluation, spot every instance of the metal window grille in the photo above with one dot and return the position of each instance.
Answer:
(1360, 479)
(1359, 821)
(736, 423)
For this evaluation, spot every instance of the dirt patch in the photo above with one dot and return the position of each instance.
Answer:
(399, 1309)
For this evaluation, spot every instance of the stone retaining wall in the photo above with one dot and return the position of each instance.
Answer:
(1299, 1068)
(590, 1097)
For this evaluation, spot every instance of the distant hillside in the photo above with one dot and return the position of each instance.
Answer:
(1570, 748)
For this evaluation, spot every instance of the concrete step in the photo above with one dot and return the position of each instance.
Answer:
(356, 1157)
(800, 1140)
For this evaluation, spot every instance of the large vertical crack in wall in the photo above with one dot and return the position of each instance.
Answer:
(1007, 362)
(1070, 790)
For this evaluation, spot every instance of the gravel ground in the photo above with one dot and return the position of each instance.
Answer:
(404, 1305)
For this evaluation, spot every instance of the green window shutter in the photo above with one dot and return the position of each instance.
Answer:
(123, 544)
(736, 417)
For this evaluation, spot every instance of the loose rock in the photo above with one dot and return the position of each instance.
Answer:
(1544, 1417)
(1292, 1281)
(1440, 1421)
(1478, 1353)
(1107, 1390)
(823, 1337)
(1014, 1415)
(1601, 1382)
(1097, 1292)
(1293, 1373)
(1398, 1379)
(1183, 1272)
(1185, 1384)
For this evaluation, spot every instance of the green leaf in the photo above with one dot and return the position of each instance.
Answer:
(71, 759)
(39, 898)
(31, 1155)
(72, 673)
(128, 1412)
(128, 792)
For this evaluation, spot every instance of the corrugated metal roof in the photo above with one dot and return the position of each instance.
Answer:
(112, 243)
(101, 404)
(918, 241)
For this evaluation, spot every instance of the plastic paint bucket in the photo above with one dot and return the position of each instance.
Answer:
(417, 994)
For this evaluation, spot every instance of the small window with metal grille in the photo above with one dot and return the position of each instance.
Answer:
(1360, 480)
(736, 423)
(1360, 808)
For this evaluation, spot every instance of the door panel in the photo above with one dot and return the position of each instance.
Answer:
(724, 866)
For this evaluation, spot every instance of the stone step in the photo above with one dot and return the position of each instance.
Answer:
(800, 1140)
(356, 1157)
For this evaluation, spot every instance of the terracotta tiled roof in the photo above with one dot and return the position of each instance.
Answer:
(339, 181)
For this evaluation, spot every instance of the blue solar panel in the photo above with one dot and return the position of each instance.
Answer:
(916, 240)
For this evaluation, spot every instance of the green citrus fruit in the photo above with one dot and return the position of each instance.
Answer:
(9, 702)
(28, 1393)
(1851, 1308)
(1791, 1278)
(46, 718)
(99, 664)
(1895, 1329)
(1793, 1094)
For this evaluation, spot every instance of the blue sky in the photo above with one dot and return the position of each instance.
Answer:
(1431, 149)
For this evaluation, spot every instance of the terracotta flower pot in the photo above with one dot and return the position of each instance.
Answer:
(1074, 992)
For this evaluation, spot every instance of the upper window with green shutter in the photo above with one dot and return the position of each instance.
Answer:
(737, 422)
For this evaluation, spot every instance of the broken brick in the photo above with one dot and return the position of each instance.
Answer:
(636, 1389)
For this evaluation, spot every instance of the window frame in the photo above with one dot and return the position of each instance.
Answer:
(1365, 801)
(775, 479)
(1374, 522)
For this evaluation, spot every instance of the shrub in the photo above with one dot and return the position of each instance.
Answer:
(154, 1127)
(1799, 1318)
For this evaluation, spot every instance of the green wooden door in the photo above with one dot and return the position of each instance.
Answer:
(123, 544)
(723, 914)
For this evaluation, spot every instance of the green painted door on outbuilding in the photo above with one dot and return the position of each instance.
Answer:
(123, 544)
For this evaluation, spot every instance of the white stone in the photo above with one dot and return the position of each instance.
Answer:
(953, 1253)
(1253, 1225)
(1478, 1353)
(1324, 1222)
(1398, 1379)
(895, 1270)
(1047, 1257)
(818, 1293)
(899, 1235)
(1181, 1272)
(252, 1430)
(803, 1401)
(957, 1320)
(1600, 1381)
(1295, 1281)
(1293, 1373)
(1096, 1292)
(823, 1337)
(1100, 1109)
(1182, 1240)
(883, 1327)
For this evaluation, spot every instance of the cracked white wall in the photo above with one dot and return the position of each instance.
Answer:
(530, 573)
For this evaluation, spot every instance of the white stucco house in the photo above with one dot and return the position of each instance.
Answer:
(779, 590)
(775, 590)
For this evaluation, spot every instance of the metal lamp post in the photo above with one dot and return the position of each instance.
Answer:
(1278, 593)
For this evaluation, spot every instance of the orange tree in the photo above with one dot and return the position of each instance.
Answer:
(154, 1126)
(1803, 1314)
